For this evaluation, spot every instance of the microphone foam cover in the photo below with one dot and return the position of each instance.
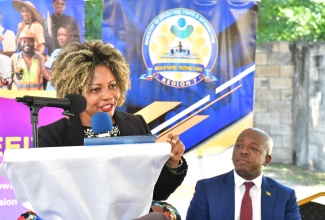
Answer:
(101, 122)
(78, 103)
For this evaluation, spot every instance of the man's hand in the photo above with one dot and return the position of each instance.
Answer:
(3, 82)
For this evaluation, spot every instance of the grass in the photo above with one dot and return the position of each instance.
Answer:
(295, 175)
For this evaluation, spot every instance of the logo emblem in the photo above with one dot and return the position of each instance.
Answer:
(179, 48)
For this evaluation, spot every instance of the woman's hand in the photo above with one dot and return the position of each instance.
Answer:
(177, 150)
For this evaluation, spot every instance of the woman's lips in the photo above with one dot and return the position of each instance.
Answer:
(106, 108)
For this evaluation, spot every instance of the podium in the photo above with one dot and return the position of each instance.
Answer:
(86, 182)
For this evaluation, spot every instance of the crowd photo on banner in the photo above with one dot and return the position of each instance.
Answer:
(32, 34)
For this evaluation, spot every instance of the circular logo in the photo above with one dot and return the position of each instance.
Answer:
(179, 48)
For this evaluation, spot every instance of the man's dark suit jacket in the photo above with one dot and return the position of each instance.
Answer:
(69, 132)
(214, 198)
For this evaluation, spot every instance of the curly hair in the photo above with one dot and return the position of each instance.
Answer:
(73, 70)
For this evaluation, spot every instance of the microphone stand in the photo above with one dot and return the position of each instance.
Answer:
(34, 120)
(34, 108)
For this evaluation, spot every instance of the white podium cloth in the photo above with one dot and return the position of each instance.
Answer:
(91, 183)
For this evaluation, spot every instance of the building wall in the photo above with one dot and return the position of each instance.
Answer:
(289, 102)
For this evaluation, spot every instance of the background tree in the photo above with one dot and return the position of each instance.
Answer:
(93, 19)
(291, 20)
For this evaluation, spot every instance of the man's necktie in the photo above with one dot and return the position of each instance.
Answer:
(246, 211)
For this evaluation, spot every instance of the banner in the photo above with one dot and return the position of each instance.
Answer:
(15, 119)
(192, 62)
(192, 73)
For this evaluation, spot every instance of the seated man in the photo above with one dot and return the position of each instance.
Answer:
(244, 190)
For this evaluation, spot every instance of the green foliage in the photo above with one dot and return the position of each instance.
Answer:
(93, 19)
(291, 20)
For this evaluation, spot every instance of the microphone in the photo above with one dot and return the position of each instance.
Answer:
(101, 123)
(72, 103)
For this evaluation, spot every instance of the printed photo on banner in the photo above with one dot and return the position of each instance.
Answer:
(32, 33)
(35, 29)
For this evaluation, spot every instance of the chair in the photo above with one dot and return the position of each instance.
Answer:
(311, 210)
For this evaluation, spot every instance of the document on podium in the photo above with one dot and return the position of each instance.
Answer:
(120, 140)
(93, 183)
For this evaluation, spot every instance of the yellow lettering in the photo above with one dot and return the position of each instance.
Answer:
(157, 68)
(10, 144)
(26, 142)
(188, 68)
(171, 67)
